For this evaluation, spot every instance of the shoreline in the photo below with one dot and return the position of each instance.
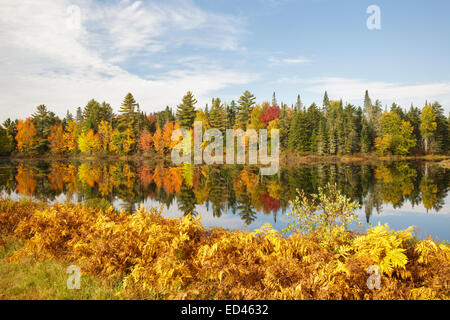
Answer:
(287, 159)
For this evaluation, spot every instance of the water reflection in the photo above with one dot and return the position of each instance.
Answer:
(237, 189)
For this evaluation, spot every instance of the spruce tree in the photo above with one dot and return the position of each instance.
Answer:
(298, 104)
(274, 99)
(186, 111)
(326, 101)
(79, 116)
(127, 113)
(231, 114)
(217, 116)
(245, 107)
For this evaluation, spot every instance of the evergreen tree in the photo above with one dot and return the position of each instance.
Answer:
(321, 145)
(298, 104)
(274, 99)
(43, 120)
(91, 116)
(440, 140)
(366, 142)
(79, 116)
(186, 111)
(326, 101)
(217, 116)
(413, 116)
(6, 142)
(299, 132)
(245, 107)
(285, 122)
(231, 114)
(127, 113)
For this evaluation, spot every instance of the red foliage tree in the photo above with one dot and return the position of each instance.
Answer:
(270, 114)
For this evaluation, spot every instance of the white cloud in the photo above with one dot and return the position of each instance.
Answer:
(277, 61)
(352, 90)
(44, 60)
(388, 92)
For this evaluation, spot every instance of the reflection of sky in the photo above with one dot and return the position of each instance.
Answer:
(436, 224)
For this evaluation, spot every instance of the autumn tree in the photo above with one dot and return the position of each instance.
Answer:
(105, 131)
(71, 136)
(427, 125)
(89, 142)
(122, 142)
(145, 141)
(271, 113)
(56, 139)
(396, 135)
(26, 136)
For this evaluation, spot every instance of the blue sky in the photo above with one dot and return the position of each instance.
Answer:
(63, 53)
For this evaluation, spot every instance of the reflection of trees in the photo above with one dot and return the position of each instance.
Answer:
(217, 190)
(221, 188)
(26, 182)
(429, 193)
(245, 208)
(397, 182)
(186, 201)
(8, 183)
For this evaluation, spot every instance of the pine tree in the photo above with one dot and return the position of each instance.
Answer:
(217, 116)
(246, 102)
(440, 140)
(43, 120)
(298, 104)
(413, 116)
(6, 142)
(326, 101)
(366, 142)
(274, 99)
(186, 111)
(91, 116)
(299, 132)
(231, 114)
(79, 116)
(322, 138)
(128, 114)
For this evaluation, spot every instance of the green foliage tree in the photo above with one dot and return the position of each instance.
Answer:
(6, 142)
(127, 118)
(245, 107)
(186, 111)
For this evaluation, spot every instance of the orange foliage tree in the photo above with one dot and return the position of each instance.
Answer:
(145, 141)
(56, 139)
(26, 136)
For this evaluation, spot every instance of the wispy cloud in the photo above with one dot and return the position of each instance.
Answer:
(44, 61)
(278, 61)
(352, 90)
(388, 92)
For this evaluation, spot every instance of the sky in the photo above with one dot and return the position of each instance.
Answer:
(62, 53)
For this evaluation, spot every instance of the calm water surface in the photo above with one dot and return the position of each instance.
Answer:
(236, 197)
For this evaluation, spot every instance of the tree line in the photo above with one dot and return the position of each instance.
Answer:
(334, 128)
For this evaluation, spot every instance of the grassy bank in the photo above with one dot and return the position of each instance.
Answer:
(145, 255)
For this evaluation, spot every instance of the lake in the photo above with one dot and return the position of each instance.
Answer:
(236, 196)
